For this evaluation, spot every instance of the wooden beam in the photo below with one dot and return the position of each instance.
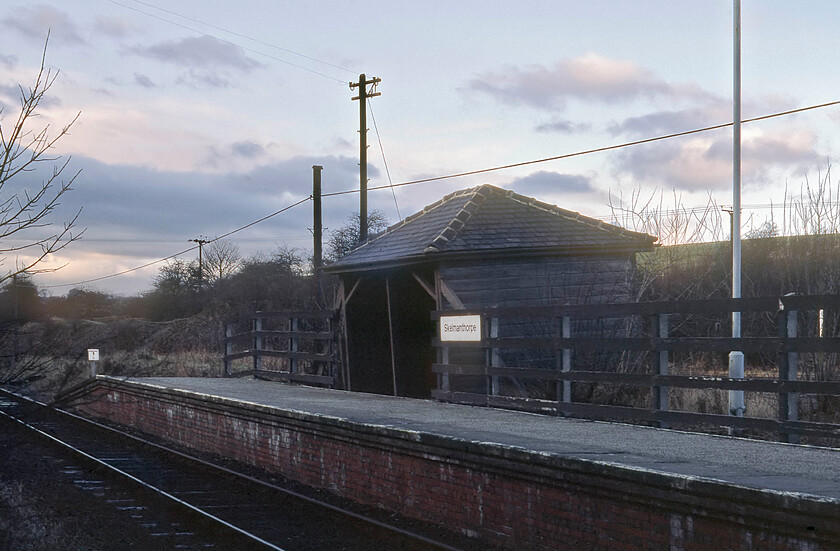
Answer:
(391, 332)
(353, 290)
(450, 296)
(426, 287)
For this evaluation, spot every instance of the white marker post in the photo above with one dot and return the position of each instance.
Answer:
(93, 357)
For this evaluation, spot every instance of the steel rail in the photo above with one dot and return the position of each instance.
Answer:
(134, 480)
(425, 540)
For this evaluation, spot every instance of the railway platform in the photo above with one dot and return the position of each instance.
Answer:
(514, 479)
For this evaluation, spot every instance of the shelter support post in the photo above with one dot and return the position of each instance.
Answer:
(391, 333)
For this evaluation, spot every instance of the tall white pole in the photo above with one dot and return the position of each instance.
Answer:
(736, 358)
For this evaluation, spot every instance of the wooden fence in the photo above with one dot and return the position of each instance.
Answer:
(543, 336)
(296, 346)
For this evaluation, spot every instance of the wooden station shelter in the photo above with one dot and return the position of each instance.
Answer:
(475, 248)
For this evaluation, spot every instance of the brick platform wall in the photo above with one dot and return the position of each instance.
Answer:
(507, 497)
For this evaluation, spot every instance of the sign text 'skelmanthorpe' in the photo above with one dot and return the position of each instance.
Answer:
(460, 328)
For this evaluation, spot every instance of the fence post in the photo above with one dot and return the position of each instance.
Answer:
(228, 348)
(258, 344)
(331, 350)
(659, 329)
(495, 358)
(443, 382)
(293, 345)
(788, 371)
(564, 387)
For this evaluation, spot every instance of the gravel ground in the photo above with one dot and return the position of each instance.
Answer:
(41, 509)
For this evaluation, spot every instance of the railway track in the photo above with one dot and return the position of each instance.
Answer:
(188, 503)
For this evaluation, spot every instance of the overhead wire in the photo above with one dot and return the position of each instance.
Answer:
(585, 152)
(180, 253)
(384, 160)
(240, 35)
(275, 58)
(461, 174)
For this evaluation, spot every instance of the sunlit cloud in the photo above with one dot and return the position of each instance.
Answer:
(590, 77)
(705, 162)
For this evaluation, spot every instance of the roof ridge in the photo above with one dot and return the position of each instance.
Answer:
(453, 228)
(574, 216)
(415, 216)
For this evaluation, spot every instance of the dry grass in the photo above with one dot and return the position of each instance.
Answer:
(28, 524)
(56, 351)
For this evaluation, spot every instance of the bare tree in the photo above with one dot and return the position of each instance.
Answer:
(26, 221)
(221, 259)
(25, 213)
(346, 238)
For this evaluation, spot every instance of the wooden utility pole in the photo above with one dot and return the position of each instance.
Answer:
(317, 229)
(364, 94)
(201, 242)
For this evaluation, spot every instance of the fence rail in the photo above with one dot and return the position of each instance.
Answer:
(545, 333)
(300, 346)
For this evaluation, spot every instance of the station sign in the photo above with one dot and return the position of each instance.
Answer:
(460, 328)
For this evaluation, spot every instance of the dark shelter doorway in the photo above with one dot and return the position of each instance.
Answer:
(389, 335)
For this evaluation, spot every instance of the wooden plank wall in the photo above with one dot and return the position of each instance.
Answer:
(538, 281)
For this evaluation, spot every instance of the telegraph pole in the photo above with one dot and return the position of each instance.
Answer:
(317, 230)
(201, 242)
(364, 94)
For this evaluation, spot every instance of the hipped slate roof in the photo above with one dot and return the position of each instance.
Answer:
(489, 220)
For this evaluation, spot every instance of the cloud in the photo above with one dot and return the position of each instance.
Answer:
(35, 22)
(200, 53)
(588, 77)
(144, 81)
(8, 62)
(249, 150)
(668, 122)
(213, 79)
(563, 127)
(705, 162)
(133, 203)
(10, 96)
(545, 182)
(113, 26)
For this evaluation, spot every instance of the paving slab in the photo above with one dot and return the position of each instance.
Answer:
(766, 466)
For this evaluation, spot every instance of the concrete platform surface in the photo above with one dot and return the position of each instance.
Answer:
(753, 464)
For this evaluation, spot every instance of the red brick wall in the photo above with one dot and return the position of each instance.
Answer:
(507, 497)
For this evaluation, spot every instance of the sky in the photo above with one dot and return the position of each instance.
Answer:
(200, 117)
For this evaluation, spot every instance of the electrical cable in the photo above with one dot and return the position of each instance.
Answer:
(384, 161)
(585, 152)
(450, 176)
(301, 67)
(234, 33)
(185, 251)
